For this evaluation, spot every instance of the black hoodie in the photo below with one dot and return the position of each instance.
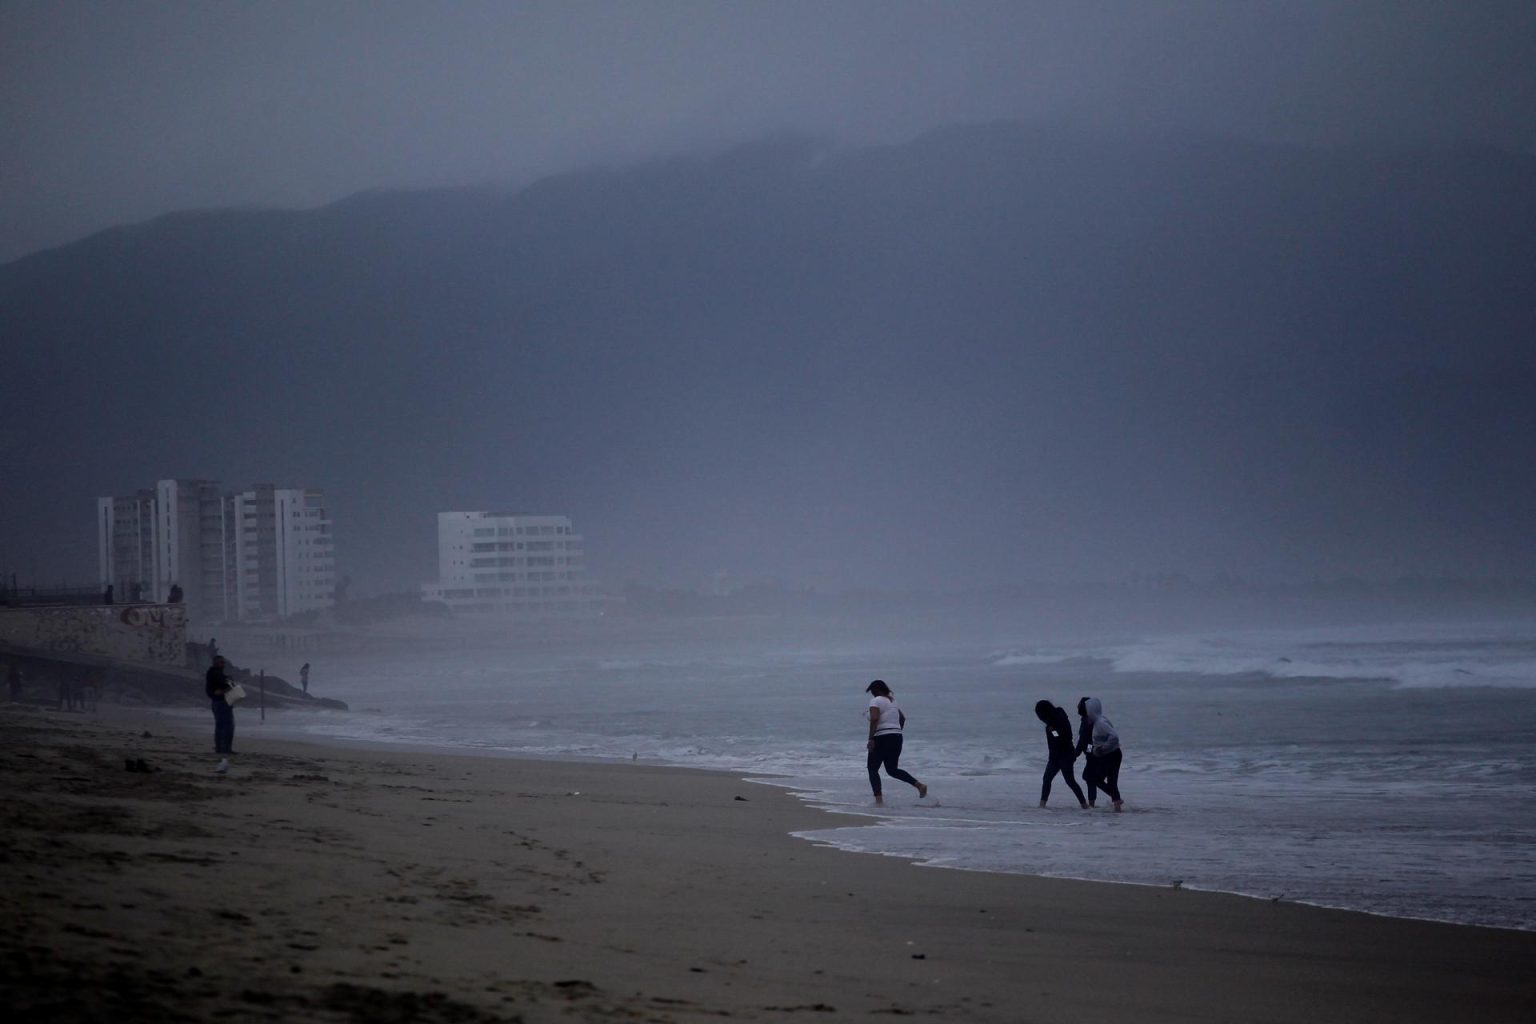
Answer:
(1058, 729)
(215, 681)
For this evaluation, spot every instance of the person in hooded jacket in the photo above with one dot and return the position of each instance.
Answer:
(1085, 750)
(1102, 770)
(1059, 750)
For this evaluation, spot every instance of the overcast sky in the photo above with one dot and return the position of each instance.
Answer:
(116, 112)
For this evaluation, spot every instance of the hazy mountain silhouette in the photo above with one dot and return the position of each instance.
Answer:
(993, 353)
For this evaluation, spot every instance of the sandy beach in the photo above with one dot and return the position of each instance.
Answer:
(336, 884)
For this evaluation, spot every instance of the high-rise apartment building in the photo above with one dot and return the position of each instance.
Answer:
(125, 541)
(192, 539)
(498, 561)
(264, 553)
(176, 535)
(283, 552)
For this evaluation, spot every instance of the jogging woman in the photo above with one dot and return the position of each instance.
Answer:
(885, 724)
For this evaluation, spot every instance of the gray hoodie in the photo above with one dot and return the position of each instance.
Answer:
(1105, 739)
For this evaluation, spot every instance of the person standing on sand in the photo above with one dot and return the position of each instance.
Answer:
(886, 721)
(1059, 750)
(1105, 744)
(1085, 748)
(216, 684)
(304, 677)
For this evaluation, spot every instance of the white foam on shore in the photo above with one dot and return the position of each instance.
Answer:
(1332, 789)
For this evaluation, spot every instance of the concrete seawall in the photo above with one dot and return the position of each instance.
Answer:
(142, 634)
(74, 655)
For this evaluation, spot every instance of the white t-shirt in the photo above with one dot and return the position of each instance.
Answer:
(890, 716)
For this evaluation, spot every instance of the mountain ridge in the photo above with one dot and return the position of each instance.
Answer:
(797, 359)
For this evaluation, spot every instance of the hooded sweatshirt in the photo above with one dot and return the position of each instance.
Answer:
(1105, 739)
(1058, 729)
(1084, 734)
(215, 682)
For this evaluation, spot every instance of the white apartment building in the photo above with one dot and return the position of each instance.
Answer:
(283, 555)
(192, 539)
(259, 554)
(174, 535)
(125, 542)
(498, 561)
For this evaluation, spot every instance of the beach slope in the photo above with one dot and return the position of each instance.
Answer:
(328, 884)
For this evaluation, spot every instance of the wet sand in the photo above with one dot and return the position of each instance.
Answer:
(319, 883)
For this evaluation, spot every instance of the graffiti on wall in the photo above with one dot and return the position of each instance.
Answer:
(153, 634)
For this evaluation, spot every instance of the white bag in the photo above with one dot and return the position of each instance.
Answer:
(234, 693)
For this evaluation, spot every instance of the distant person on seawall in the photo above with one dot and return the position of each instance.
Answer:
(1105, 744)
(886, 721)
(1060, 752)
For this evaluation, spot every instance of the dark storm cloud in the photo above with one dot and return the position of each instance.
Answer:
(117, 112)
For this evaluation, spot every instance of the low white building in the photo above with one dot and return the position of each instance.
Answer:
(502, 562)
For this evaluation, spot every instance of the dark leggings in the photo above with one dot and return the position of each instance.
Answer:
(1104, 773)
(1060, 763)
(887, 751)
(223, 726)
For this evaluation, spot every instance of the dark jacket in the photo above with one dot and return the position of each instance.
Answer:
(1058, 730)
(215, 682)
(1084, 736)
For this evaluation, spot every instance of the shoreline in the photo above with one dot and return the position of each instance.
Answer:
(324, 882)
(865, 816)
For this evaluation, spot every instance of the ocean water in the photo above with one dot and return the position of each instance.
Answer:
(1386, 768)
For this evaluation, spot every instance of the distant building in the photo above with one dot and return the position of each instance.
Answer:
(192, 543)
(283, 552)
(500, 562)
(265, 553)
(125, 541)
(175, 534)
